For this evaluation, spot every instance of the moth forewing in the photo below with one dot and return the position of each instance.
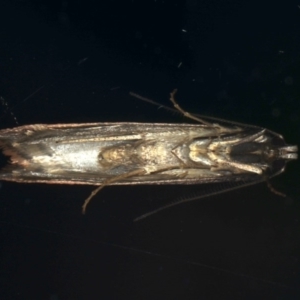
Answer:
(142, 153)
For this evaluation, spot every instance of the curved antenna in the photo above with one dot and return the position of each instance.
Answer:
(194, 198)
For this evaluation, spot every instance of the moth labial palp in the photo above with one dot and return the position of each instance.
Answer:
(130, 153)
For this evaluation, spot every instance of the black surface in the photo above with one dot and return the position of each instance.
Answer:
(235, 61)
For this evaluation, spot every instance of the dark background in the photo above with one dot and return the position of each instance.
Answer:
(229, 59)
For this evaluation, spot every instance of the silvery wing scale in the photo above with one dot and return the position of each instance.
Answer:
(103, 154)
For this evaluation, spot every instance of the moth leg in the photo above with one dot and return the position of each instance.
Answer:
(109, 181)
(187, 114)
(182, 175)
(273, 190)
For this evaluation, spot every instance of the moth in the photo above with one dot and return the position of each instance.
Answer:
(102, 154)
